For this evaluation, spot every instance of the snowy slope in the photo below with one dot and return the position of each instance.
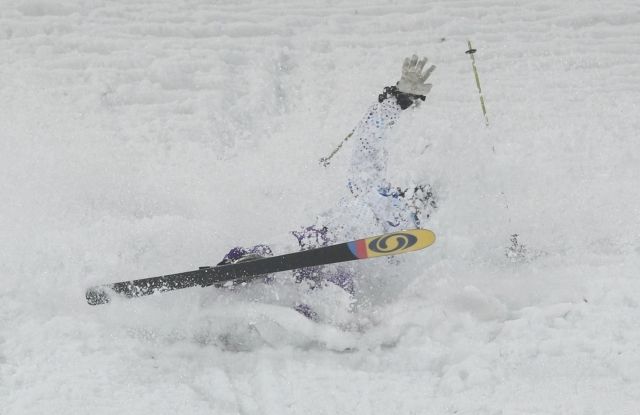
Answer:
(142, 138)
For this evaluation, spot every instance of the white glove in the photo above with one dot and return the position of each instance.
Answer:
(413, 79)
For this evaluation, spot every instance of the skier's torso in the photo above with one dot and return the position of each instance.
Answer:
(372, 205)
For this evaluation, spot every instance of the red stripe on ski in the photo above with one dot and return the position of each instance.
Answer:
(361, 248)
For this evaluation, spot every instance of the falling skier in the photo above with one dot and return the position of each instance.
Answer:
(374, 205)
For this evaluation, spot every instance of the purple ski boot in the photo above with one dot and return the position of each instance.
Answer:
(242, 254)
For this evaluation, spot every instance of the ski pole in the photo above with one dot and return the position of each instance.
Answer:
(517, 251)
(326, 160)
(470, 52)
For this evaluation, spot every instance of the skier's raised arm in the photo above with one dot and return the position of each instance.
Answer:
(394, 208)
(369, 158)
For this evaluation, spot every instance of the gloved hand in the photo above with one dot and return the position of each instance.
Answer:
(413, 79)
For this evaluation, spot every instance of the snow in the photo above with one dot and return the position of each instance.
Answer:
(143, 138)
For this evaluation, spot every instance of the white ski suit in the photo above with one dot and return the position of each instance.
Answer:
(373, 206)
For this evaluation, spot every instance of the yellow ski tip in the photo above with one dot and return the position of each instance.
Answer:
(394, 243)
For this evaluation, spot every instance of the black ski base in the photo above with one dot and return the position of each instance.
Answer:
(221, 275)
(382, 245)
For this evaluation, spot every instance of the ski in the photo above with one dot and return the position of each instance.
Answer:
(382, 245)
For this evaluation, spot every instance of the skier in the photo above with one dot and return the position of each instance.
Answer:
(374, 206)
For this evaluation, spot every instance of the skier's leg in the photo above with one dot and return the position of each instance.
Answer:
(343, 278)
(316, 236)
